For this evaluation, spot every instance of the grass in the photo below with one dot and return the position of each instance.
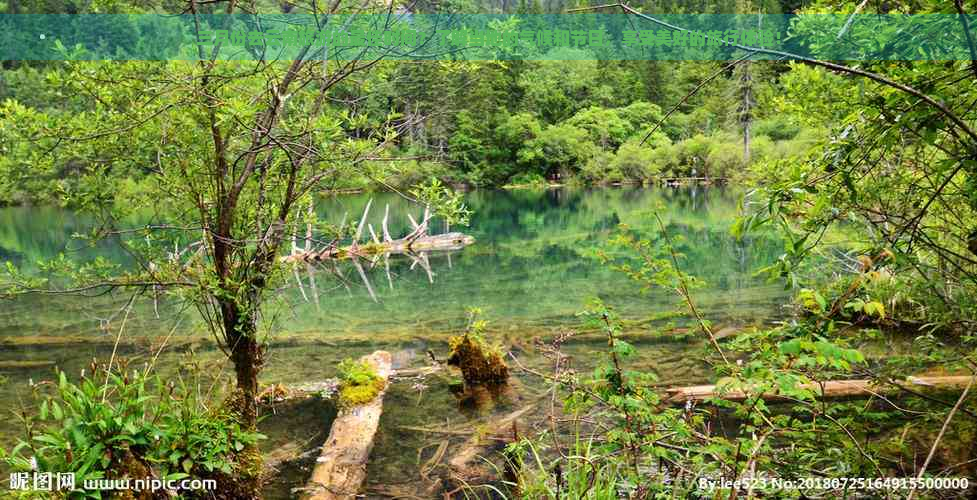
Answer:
(580, 474)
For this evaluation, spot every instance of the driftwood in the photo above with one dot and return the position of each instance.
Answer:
(417, 241)
(417, 245)
(829, 389)
(341, 468)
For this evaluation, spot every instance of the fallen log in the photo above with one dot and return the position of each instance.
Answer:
(341, 467)
(24, 365)
(417, 372)
(418, 240)
(828, 389)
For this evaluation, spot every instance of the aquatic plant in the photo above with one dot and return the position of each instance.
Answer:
(641, 440)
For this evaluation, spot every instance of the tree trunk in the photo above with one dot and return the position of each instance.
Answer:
(746, 143)
(746, 110)
(247, 354)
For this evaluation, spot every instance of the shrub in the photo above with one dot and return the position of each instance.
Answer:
(761, 148)
(777, 127)
(641, 114)
(724, 159)
(558, 149)
(413, 172)
(634, 162)
(511, 138)
(599, 170)
(688, 154)
(665, 159)
(113, 425)
(606, 127)
(517, 130)
(685, 125)
(527, 179)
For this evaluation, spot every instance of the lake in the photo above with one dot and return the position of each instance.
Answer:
(531, 270)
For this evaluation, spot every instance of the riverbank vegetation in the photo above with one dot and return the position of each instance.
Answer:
(598, 138)
(867, 172)
(478, 124)
(114, 423)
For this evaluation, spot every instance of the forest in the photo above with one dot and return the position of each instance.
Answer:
(525, 272)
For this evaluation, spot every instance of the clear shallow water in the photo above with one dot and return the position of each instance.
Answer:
(531, 264)
(530, 271)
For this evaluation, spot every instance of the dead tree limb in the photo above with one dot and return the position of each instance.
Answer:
(386, 232)
(359, 229)
(465, 464)
(417, 241)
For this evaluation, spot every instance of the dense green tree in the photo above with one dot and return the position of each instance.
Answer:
(230, 153)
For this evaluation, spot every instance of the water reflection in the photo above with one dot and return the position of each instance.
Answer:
(532, 263)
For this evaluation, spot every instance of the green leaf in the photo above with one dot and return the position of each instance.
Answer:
(49, 439)
(791, 347)
(875, 308)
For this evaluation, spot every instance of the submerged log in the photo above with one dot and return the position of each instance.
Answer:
(341, 468)
(24, 365)
(465, 464)
(828, 389)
